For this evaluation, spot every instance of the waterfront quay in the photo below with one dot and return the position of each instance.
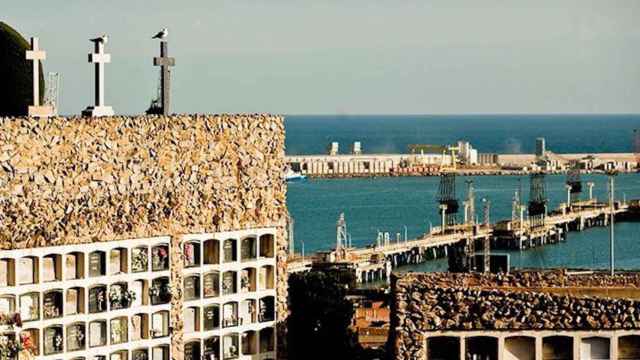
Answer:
(375, 262)
(432, 164)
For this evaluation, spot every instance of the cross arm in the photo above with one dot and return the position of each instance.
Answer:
(164, 61)
(36, 55)
(99, 58)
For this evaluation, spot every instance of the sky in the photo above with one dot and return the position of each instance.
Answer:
(347, 57)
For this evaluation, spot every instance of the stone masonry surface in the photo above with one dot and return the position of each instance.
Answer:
(78, 180)
(81, 180)
(458, 302)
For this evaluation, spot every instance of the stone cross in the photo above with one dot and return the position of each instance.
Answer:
(164, 61)
(99, 58)
(37, 55)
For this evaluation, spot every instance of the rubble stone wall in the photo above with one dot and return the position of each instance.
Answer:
(538, 279)
(459, 302)
(81, 180)
(78, 180)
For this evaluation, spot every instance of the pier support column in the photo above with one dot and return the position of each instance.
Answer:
(538, 354)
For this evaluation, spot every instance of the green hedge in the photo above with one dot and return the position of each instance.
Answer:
(16, 89)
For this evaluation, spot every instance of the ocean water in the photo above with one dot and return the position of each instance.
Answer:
(391, 204)
(487, 133)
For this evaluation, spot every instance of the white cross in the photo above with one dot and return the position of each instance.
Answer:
(99, 58)
(36, 55)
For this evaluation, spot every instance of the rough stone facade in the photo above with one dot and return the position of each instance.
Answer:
(81, 180)
(177, 298)
(520, 301)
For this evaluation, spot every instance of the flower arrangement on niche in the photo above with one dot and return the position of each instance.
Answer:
(50, 311)
(11, 320)
(140, 260)
(57, 343)
(9, 348)
(27, 345)
(100, 300)
(120, 298)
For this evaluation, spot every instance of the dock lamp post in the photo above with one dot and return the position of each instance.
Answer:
(405, 233)
(590, 185)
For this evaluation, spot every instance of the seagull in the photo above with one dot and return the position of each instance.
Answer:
(162, 34)
(101, 39)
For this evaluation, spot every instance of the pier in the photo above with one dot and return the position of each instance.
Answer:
(375, 262)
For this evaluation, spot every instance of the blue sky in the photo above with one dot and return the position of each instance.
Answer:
(351, 57)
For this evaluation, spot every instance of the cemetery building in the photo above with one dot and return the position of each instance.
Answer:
(142, 238)
(524, 315)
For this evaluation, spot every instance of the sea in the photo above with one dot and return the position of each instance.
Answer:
(407, 205)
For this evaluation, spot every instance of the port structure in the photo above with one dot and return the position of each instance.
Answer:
(447, 199)
(574, 184)
(469, 220)
(537, 200)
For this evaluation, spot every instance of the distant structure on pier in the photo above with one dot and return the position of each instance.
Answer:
(537, 200)
(447, 199)
(541, 150)
(333, 148)
(356, 149)
(574, 183)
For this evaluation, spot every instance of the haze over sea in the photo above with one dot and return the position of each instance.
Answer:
(388, 204)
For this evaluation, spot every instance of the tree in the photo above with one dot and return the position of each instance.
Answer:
(320, 315)
(16, 78)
